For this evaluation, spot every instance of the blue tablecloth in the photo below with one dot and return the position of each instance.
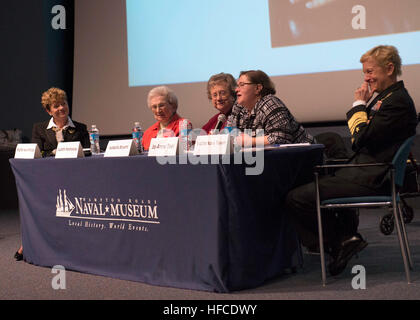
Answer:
(206, 227)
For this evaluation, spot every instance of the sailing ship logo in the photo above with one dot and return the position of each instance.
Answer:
(64, 205)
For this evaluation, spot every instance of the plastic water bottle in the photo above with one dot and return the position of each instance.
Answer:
(94, 140)
(137, 134)
(234, 132)
(184, 138)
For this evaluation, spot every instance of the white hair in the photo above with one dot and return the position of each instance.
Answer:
(163, 91)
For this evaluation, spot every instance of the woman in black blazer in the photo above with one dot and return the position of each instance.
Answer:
(59, 128)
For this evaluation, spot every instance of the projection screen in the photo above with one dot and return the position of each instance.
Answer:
(311, 50)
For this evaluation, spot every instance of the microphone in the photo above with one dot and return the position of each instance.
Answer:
(221, 119)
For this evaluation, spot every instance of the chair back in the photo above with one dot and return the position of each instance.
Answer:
(400, 161)
(335, 147)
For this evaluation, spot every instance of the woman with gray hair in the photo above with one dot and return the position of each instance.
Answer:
(164, 104)
(221, 92)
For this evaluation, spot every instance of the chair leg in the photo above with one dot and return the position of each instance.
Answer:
(299, 253)
(321, 238)
(321, 248)
(404, 232)
(401, 241)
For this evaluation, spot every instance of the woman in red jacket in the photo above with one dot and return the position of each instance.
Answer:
(163, 103)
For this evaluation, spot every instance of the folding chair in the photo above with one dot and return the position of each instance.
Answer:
(410, 189)
(397, 170)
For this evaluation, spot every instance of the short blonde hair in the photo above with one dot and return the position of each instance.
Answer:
(384, 55)
(53, 96)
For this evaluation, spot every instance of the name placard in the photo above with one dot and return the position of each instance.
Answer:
(27, 151)
(67, 150)
(164, 147)
(121, 148)
(213, 144)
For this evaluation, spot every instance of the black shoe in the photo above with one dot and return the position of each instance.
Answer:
(18, 256)
(348, 249)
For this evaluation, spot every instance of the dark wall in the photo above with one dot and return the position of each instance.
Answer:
(34, 57)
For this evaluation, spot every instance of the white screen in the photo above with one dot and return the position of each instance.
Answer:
(309, 48)
(159, 52)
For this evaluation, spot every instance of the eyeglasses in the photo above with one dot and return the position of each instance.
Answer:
(242, 84)
(222, 94)
(159, 106)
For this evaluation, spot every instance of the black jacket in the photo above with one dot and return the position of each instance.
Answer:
(46, 140)
(377, 135)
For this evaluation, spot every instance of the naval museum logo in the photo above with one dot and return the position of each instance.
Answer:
(107, 212)
(64, 205)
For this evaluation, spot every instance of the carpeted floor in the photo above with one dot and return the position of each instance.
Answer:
(385, 278)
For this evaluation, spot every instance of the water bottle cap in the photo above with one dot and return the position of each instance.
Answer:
(136, 123)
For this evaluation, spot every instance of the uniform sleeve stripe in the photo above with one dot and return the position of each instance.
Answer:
(357, 119)
(356, 123)
(354, 127)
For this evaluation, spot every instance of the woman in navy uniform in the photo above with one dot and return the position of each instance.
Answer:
(378, 128)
